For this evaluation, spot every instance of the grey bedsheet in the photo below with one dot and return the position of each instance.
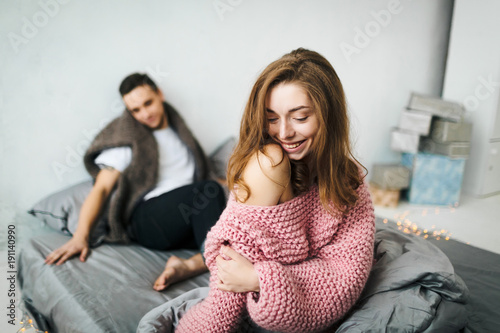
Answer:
(412, 288)
(480, 269)
(109, 293)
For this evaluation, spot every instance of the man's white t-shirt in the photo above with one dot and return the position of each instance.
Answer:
(176, 163)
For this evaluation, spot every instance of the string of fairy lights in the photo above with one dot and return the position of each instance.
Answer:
(407, 226)
(27, 324)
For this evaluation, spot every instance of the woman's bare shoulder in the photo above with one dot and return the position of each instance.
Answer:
(274, 163)
(267, 174)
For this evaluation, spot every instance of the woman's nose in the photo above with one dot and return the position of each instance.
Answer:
(286, 130)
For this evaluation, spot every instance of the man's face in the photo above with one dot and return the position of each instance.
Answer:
(146, 106)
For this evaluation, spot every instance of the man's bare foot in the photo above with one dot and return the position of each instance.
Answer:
(178, 269)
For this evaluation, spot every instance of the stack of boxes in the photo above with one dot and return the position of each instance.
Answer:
(434, 142)
(386, 183)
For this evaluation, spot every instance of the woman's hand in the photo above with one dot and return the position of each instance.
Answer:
(237, 274)
(76, 245)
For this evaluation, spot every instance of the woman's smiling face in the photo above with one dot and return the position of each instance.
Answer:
(292, 121)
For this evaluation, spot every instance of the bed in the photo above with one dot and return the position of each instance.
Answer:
(111, 292)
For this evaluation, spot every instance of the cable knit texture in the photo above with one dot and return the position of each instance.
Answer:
(312, 265)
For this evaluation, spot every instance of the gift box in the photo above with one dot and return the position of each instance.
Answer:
(451, 149)
(447, 131)
(415, 121)
(390, 176)
(436, 106)
(435, 180)
(404, 141)
(384, 197)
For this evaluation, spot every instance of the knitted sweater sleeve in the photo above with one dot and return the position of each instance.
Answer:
(219, 312)
(314, 294)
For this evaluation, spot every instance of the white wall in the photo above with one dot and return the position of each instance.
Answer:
(473, 78)
(59, 80)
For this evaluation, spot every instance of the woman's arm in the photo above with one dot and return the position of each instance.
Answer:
(267, 175)
(91, 208)
(268, 178)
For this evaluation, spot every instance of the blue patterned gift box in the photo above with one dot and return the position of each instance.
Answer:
(435, 180)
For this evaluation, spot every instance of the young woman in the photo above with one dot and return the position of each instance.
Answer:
(293, 249)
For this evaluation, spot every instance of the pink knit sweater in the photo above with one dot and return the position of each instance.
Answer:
(312, 265)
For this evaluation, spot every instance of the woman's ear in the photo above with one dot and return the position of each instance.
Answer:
(160, 93)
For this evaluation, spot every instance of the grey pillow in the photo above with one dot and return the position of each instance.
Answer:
(220, 157)
(61, 210)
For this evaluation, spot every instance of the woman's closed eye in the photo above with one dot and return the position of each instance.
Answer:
(301, 119)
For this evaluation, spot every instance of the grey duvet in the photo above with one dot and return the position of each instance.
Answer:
(412, 288)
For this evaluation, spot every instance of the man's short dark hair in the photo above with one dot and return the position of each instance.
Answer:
(136, 80)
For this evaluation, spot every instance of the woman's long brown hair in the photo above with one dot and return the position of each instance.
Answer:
(338, 174)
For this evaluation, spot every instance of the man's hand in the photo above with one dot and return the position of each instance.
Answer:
(75, 246)
(92, 206)
(236, 275)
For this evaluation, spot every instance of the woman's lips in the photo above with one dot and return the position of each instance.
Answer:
(292, 147)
